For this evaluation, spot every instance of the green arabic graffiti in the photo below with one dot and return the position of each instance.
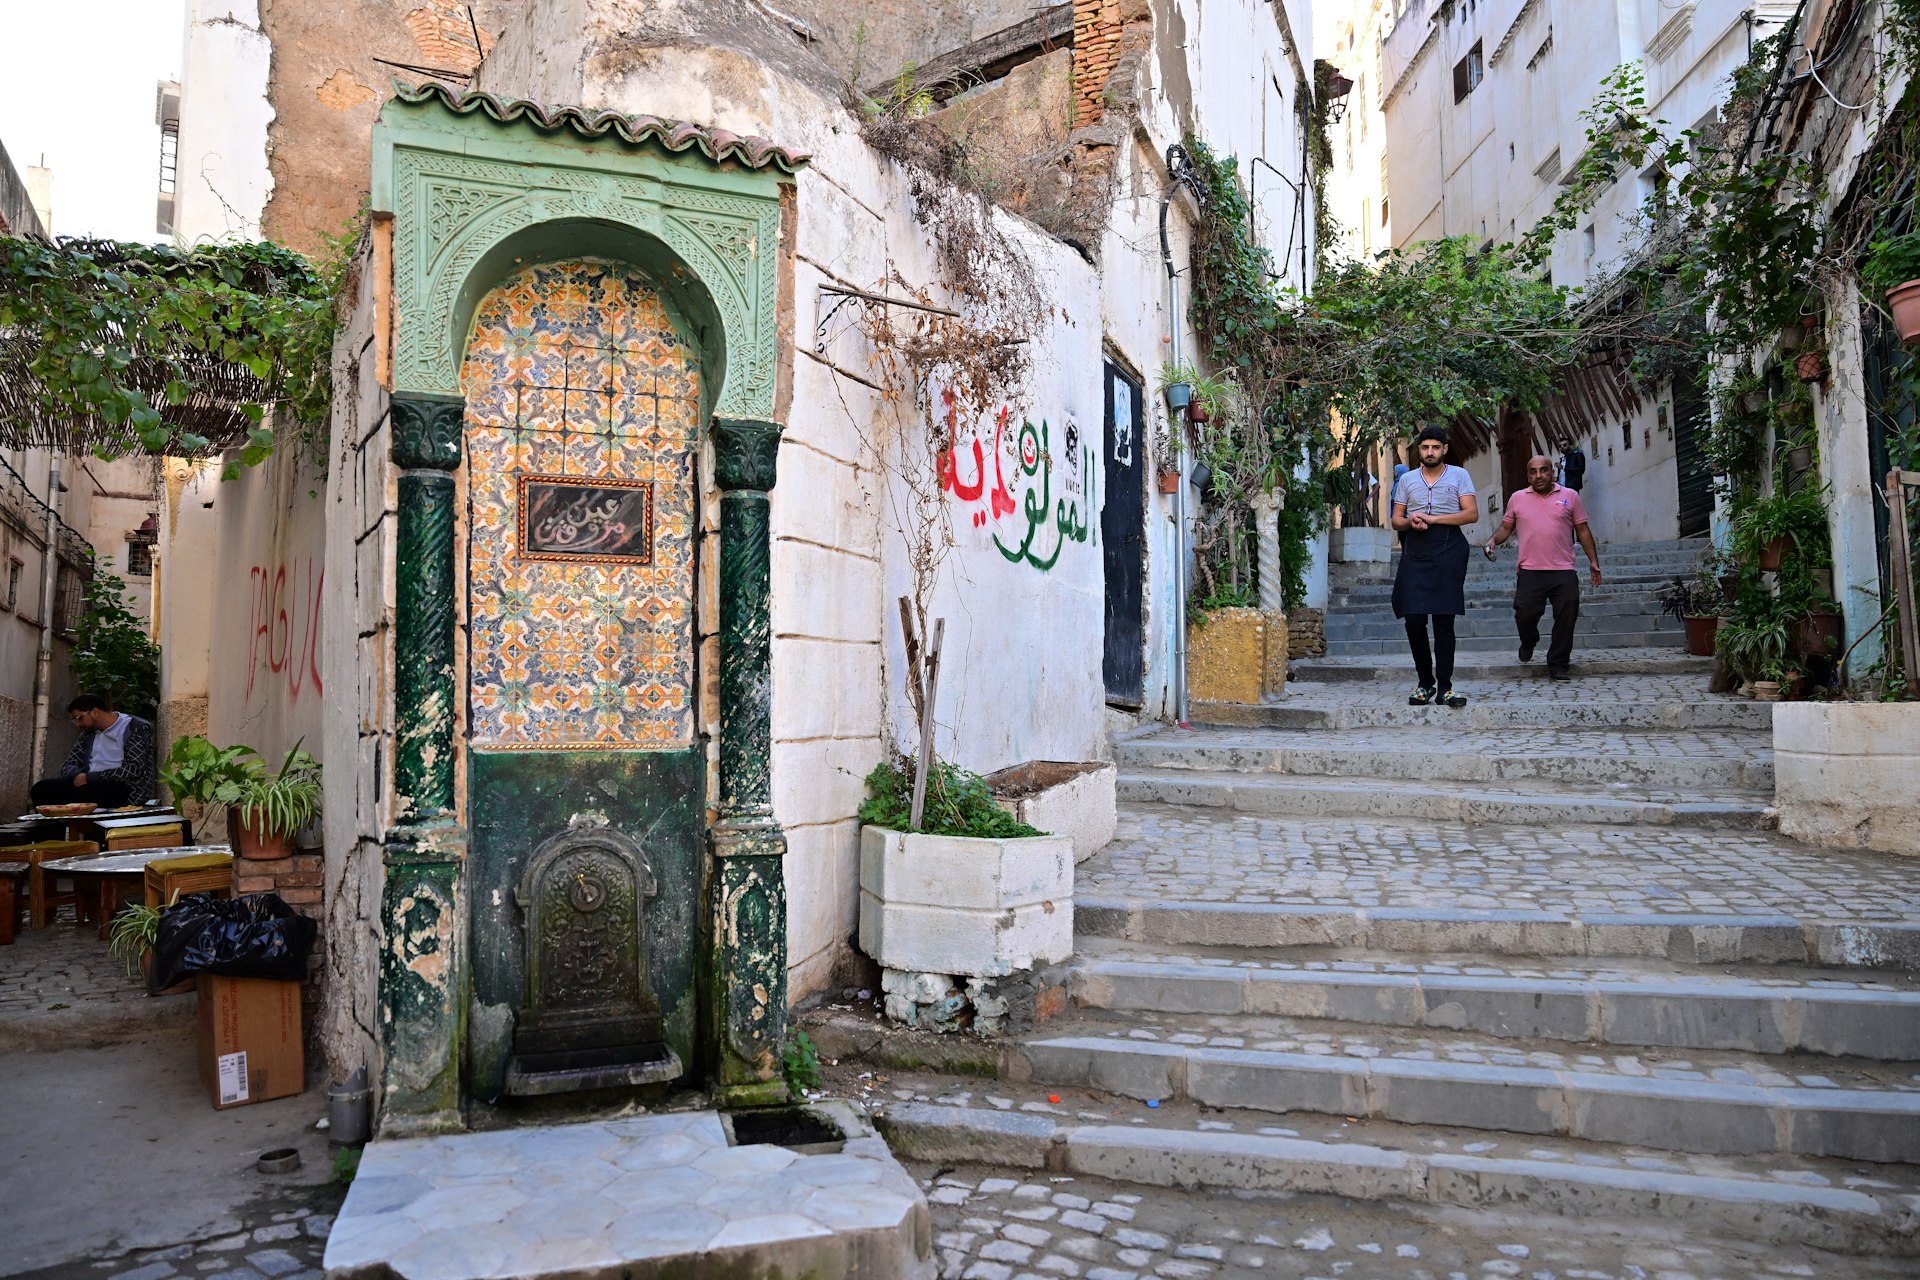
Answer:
(1068, 522)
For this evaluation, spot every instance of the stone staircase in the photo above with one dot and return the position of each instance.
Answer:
(1539, 955)
(1622, 613)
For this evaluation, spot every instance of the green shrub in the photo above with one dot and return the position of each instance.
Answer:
(957, 804)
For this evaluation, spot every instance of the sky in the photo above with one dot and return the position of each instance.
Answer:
(77, 86)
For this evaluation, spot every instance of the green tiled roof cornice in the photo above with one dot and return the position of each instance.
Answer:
(675, 135)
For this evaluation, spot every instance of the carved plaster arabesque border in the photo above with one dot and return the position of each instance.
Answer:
(451, 210)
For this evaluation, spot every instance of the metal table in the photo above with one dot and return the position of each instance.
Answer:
(116, 872)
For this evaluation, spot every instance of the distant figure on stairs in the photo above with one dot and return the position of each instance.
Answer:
(1548, 516)
(1430, 503)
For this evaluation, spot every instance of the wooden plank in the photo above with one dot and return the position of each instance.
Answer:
(988, 58)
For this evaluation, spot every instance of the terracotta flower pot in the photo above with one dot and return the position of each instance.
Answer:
(1766, 691)
(1904, 301)
(1771, 552)
(1818, 634)
(1700, 634)
(1810, 366)
(1197, 412)
(257, 844)
(1169, 482)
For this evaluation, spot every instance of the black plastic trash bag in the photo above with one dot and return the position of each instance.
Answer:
(256, 936)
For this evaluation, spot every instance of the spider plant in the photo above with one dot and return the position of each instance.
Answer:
(281, 804)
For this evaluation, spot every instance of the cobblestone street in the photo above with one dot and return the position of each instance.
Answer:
(1019, 1225)
(1165, 852)
(283, 1238)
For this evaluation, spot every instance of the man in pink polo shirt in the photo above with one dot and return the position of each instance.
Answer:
(1549, 516)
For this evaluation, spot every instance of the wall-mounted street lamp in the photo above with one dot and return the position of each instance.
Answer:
(1338, 87)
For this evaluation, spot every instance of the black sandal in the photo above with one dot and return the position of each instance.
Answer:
(1422, 696)
(1449, 698)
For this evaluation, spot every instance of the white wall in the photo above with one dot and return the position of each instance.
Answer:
(223, 181)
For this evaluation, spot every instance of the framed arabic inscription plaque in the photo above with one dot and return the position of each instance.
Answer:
(567, 518)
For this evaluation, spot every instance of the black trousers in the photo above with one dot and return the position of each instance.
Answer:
(1433, 665)
(1533, 591)
(106, 792)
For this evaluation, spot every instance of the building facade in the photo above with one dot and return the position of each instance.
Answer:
(647, 263)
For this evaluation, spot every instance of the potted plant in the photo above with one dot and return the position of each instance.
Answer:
(970, 895)
(203, 779)
(1893, 267)
(270, 810)
(131, 942)
(1696, 606)
(1783, 520)
(1811, 365)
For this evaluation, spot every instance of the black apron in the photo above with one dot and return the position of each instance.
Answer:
(1433, 571)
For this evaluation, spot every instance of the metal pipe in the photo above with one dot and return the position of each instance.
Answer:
(1176, 167)
(49, 577)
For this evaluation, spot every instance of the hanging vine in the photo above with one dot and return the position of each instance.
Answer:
(121, 348)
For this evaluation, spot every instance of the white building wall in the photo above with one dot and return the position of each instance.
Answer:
(223, 181)
(1021, 672)
(1491, 166)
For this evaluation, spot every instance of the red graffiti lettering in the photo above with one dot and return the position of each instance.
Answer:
(284, 631)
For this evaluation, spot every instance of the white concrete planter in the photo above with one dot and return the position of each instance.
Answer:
(1847, 774)
(1075, 800)
(954, 905)
(1360, 545)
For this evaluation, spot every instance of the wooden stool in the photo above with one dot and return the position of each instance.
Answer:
(168, 878)
(166, 834)
(42, 901)
(13, 876)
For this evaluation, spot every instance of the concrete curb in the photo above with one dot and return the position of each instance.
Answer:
(1843, 1221)
(1714, 1014)
(87, 1026)
(1681, 939)
(1702, 1116)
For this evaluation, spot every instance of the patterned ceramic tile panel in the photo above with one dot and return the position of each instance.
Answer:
(574, 371)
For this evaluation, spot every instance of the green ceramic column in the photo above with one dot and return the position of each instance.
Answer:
(422, 974)
(749, 887)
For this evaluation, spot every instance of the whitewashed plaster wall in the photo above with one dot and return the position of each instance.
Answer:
(223, 183)
(356, 661)
(1021, 676)
(266, 676)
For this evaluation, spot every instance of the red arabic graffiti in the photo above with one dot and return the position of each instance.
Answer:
(285, 631)
(1001, 500)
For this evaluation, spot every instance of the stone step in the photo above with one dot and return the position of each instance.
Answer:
(1782, 1200)
(1642, 1004)
(1178, 877)
(1305, 707)
(1480, 665)
(1594, 629)
(1624, 583)
(1489, 602)
(1590, 758)
(1589, 642)
(1652, 570)
(1712, 1102)
(1546, 804)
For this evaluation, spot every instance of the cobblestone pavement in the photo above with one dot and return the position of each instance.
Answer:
(283, 1239)
(1019, 1225)
(61, 984)
(1168, 853)
(1577, 743)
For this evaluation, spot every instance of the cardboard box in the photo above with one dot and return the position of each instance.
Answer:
(250, 1041)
